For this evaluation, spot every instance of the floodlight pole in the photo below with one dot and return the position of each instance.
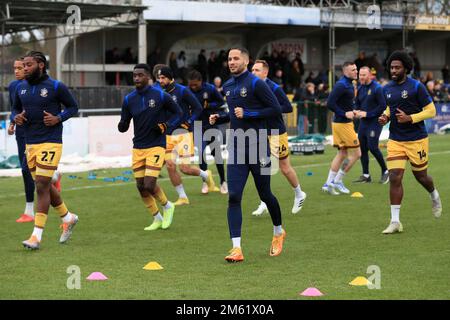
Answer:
(332, 51)
(3, 53)
(74, 59)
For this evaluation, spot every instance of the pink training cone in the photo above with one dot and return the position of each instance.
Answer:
(97, 276)
(311, 292)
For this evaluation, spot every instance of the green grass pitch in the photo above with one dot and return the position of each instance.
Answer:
(329, 243)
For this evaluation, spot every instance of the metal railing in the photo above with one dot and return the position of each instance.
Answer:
(87, 97)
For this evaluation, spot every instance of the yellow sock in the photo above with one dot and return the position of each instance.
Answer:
(40, 219)
(161, 196)
(62, 209)
(150, 203)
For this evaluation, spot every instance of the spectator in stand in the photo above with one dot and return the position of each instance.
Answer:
(213, 66)
(445, 74)
(301, 111)
(374, 63)
(310, 78)
(429, 77)
(416, 66)
(311, 103)
(274, 63)
(128, 58)
(202, 64)
(224, 73)
(111, 57)
(295, 76)
(278, 78)
(298, 58)
(322, 117)
(182, 66)
(174, 65)
(154, 58)
(218, 84)
(361, 60)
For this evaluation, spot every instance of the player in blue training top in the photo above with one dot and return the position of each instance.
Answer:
(408, 105)
(369, 105)
(341, 102)
(154, 113)
(251, 103)
(37, 107)
(279, 146)
(180, 141)
(28, 214)
(211, 101)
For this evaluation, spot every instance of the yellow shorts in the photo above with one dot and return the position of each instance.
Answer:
(148, 162)
(416, 152)
(181, 145)
(43, 158)
(344, 135)
(279, 146)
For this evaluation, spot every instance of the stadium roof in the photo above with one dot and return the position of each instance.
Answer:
(22, 15)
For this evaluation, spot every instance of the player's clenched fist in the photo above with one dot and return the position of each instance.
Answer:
(50, 120)
(383, 119)
(213, 118)
(239, 112)
(20, 118)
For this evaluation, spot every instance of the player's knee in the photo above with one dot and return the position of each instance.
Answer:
(420, 177)
(395, 177)
(170, 165)
(185, 168)
(42, 186)
(285, 168)
(140, 187)
(267, 197)
(234, 198)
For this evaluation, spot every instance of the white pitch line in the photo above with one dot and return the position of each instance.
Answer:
(110, 185)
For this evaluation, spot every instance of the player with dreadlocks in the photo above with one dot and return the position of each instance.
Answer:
(408, 105)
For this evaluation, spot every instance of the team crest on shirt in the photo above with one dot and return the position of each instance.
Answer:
(369, 92)
(44, 92)
(227, 93)
(264, 162)
(151, 103)
(404, 94)
(388, 95)
(243, 92)
(205, 95)
(174, 98)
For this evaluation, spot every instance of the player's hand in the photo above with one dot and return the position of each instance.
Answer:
(349, 115)
(20, 118)
(402, 117)
(11, 129)
(185, 125)
(161, 128)
(50, 120)
(239, 112)
(383, 119)
(213, 118)
(360, 114)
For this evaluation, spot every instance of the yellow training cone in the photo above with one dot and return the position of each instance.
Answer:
(357, 195)
(359, 281)
(152, 266)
